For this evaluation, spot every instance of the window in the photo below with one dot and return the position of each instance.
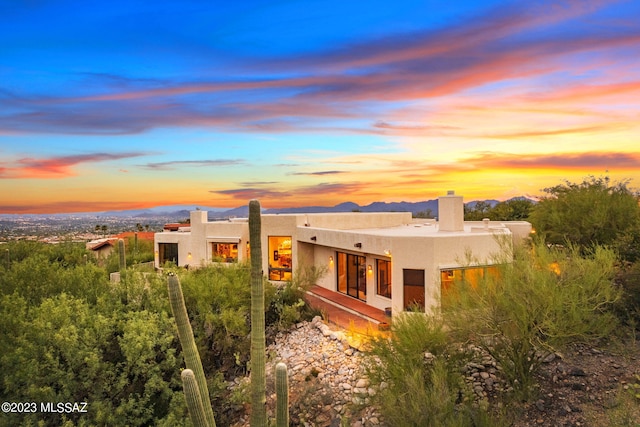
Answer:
(167, 252)
(280, 257)
(448, 278)
(471, 275)
(352, 277)
(224, 252)
(413, 287)
(383, 269)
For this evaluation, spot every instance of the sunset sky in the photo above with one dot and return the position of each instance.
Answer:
(132, 104)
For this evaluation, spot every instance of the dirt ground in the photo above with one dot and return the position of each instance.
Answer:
(587, 386)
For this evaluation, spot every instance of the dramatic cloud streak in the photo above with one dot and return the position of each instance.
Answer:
(57, 167)
(195, 163)
(487, 49)
(585, 161)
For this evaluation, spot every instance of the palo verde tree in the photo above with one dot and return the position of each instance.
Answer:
(516, 209)
(593, 212)
(477, 211)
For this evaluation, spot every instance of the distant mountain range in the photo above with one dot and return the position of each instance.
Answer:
(413, 207)
(180, 212)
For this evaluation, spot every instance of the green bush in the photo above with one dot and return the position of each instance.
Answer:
(288, 306)
(135, 253)
(546, 298)
(63, 349)
(69, 334)
(595, 211)
(418, 373)
(628, 308)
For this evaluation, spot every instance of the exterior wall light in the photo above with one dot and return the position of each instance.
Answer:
(358, 245)
(189, 255)
(370, 269)
(330, 260)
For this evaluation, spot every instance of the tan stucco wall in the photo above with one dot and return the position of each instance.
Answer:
(430, 253)
(410, 244)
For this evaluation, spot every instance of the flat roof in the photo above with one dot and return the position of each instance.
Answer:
(418, 230)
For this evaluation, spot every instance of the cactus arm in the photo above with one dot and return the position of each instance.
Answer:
(258, 378)
(193, 399)
(282, 396)
(185, 334)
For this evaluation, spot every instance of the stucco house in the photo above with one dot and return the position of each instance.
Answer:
(101, 248)
(384, 259)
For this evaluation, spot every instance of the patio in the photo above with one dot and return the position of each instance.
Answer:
(346, 312)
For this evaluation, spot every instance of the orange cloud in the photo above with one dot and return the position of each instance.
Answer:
(57, 167)
(585, 161)
(297, 196)
(553, 132)
(577, 93)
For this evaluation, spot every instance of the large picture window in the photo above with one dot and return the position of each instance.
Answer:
(383, 277)
(352, 277)
(280, 256)
(224, 252)
(471, 275)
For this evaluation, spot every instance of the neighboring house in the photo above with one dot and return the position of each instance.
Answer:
(175, 226)
(385, 259)
(101, 248)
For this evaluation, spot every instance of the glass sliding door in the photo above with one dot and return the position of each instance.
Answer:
(352, 275)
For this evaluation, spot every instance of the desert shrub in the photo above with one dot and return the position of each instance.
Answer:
(546, 298)
(36, 277)
(135, 253)
(121, 361)
(69, 334)
(218, 299)
(595, 211)
(418, 374)
(66, 253)
(628, 307)
(288, 305)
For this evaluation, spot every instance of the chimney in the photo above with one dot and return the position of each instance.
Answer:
(450, 212)
(198, 217)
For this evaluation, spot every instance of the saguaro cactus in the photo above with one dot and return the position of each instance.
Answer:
(258, 378)
(282, 396)
(194, 400)
(185, 334)
(122, 259)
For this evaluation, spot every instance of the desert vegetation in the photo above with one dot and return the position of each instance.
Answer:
(72, 335)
